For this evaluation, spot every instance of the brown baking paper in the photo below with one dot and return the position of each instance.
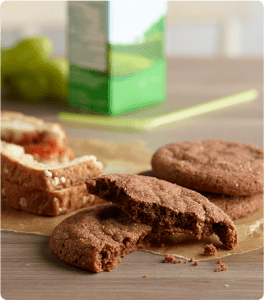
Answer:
(132, 157)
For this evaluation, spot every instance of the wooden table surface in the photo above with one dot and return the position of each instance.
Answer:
(31, 271)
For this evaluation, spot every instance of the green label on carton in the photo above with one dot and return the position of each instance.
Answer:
(117, 59)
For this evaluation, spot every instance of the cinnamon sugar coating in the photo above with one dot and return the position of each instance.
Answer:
(96, 239)
(236, 206)
(214, 166)
(165, 206)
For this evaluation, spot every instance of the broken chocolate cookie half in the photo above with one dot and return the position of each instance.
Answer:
(97, 238)
(166, 207)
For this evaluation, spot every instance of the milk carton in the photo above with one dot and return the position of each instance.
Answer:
(116, 52)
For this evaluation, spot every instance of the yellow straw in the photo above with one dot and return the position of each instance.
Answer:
(147, 124)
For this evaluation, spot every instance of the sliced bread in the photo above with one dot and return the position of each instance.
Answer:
(21, 169)
(47, 203)
(19, 129)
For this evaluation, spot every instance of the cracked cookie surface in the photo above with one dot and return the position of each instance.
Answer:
(165, 206)
(214, 166)
(97, 238)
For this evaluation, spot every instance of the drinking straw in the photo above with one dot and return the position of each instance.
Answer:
(151, 123)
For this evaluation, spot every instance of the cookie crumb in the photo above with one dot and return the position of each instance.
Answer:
(223, 267)
(219, 261)
(196, 263)
(155, 264)
(192, 259)
(127, 263)
(177, 261)
(169, 258)
(145, 276)
(191, 269)
(210, 250)
(186, 262)
(226, 285)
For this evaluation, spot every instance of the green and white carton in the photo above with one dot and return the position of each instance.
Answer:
(117, 57)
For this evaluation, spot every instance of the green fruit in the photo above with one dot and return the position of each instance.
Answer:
(62, 64)
(36, 47)
(32, 86)
(30, 50)
(123, 64)
(56, 71)
(15, 60)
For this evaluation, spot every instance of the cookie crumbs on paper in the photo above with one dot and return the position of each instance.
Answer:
(210, 250)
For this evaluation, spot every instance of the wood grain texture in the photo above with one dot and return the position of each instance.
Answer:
(31, 271)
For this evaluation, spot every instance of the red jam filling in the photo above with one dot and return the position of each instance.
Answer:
(47, 150)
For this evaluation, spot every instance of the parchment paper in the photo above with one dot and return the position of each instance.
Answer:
(132, 157)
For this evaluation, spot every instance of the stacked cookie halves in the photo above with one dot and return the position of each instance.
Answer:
(143, 206)
(32, 186)
(229, 174)
(140, 207)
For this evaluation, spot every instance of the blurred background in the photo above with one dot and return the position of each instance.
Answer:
(213, 49)
(194, 28)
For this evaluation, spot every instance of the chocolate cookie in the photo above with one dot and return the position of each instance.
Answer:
(165, 206)
(211, 166)
(236, 206)
(96, 239)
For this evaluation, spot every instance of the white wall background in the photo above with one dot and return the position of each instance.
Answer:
(194, 28)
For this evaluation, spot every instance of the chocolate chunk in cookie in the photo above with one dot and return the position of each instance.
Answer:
(96, 239)
(211, 166)
(165, 206)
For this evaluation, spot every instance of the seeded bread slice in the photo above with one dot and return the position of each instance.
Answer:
(19, 129)
(165, 206)
(21, 169)
(47, 203)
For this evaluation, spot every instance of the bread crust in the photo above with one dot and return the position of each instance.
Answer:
(21, 169)
(47, 203)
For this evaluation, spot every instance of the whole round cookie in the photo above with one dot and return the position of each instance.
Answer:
(97, 238)
(236, 206)
(214, 166)
(166, 207)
